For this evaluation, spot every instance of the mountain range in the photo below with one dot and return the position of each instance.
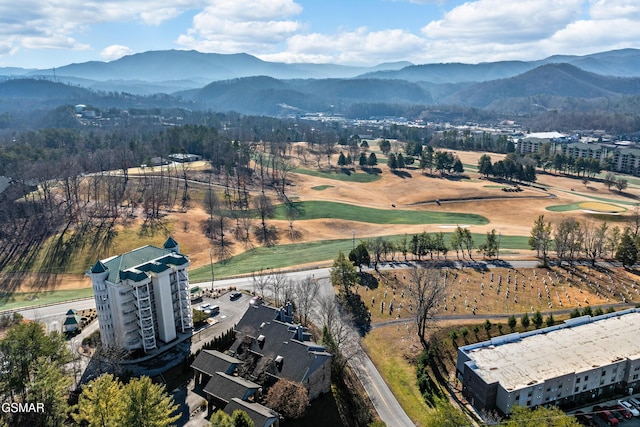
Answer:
(249, 85)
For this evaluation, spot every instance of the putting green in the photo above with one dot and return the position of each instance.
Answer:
(601, 207)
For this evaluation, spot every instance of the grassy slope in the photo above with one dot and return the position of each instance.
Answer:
(335, 210)
(321, 252)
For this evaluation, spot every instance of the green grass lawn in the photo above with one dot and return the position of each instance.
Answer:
(339, 175)
(564, 208)
(335, 210)
(321, 252)
(321, 187)
(28, 299)
(602, 199)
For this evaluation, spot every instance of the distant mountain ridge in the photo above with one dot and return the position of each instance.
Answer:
(558, 82)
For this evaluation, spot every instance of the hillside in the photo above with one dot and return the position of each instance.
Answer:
(559, 80)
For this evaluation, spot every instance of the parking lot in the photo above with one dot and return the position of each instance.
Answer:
(627, 422)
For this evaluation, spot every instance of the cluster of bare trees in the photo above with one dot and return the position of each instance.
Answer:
(280, 289)
(573, 240)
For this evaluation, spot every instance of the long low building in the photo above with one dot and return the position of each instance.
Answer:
(578, 361)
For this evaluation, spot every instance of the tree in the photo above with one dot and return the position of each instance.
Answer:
(568, 238)
(621, 184)
(484, 165)
(487, 326)
(385, 146)
(288, 398)
(610, 180)
(305, 292)
(595, 239)
(343, 273)
(525, 321)
(372, 160)
(540, 417)
(33, 370)
(428, 293)
(445, 414)
(359, 256)
(101, 403)
(489, 247)
(221, 419)
(540, 238)
(457, 166)
(537, 319)
(147, 404)
(512, 322)
(627, 251)
(362, 160)
(550, 321)
(105, 401)
(241, 419)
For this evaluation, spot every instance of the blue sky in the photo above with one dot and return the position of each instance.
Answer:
(44, 34)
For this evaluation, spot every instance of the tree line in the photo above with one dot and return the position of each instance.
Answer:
(573, 240)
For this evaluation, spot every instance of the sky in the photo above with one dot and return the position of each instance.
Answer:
(51, 33)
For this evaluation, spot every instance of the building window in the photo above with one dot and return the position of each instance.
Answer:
(578, 381)
(604, 373)
(586, 377)
(576, 389)
(528, 403)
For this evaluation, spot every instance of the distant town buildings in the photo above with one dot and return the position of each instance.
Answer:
(623, 156)
(142, 297)
(578, 361)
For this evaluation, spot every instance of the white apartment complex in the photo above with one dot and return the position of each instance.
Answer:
(578, 361)
(142, 297)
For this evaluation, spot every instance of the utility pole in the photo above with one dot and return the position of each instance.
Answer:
(211, 258)
(353, 239)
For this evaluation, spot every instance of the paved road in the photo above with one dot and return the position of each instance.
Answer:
(383, 400)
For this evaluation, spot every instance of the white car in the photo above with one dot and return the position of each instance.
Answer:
(634, 411)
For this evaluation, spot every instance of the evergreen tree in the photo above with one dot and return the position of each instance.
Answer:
(372, 160)
(391, 161)
(362, 162)
(627, 251)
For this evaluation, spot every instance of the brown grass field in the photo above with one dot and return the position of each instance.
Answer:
(509, 213)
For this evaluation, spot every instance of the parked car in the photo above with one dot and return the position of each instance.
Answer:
(635, 402)
(257, 300)
(629, 407)
(608, 417)
(205, 306)
(586, 419)
(624, 411)
(615, 412)
(235, 295)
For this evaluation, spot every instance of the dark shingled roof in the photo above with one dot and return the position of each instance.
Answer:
(260, 415)
(299, 358)
(225, 387)
(212, 361)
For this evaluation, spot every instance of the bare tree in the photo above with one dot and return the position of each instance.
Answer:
(278, 283)
(595, 239)
(429, 292)
(339, 336)
(260, 281)
(305, 292)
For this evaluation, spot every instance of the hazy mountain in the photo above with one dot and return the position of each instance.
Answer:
(619, 63)
(557, 80)
(266, 95)
(183, 65)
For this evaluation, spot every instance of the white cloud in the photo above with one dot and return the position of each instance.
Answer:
(231, 26)
(355, 47)
(114, 52)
